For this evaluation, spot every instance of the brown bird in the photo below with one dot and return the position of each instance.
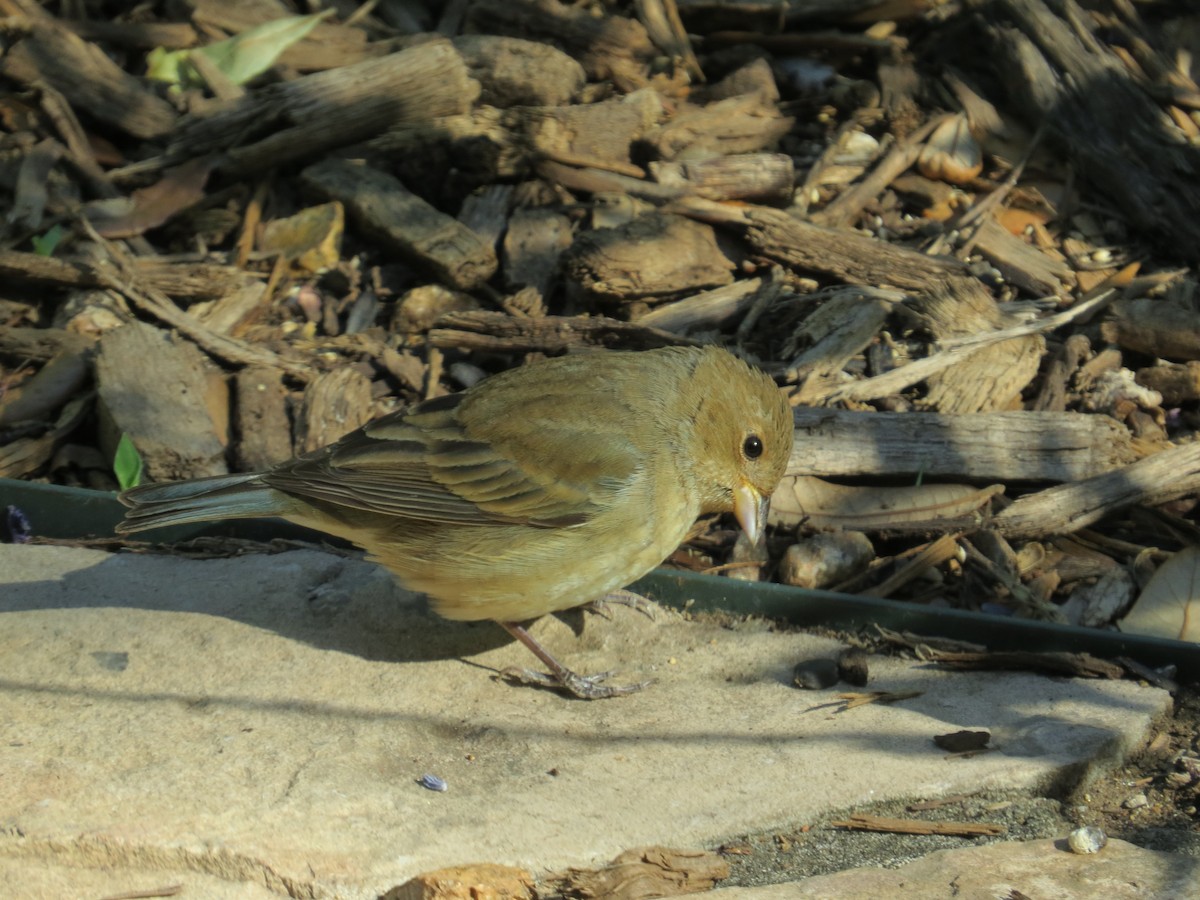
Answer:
(539, 489)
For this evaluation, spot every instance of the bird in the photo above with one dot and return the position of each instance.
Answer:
(541, 488)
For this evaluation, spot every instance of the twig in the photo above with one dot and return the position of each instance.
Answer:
(954, 352)
(918, 826)
(851, 202)
(163, 308)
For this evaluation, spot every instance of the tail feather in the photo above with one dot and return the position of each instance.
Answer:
(199, 500)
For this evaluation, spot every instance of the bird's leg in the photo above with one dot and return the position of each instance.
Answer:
(624, 597)
(585, 687)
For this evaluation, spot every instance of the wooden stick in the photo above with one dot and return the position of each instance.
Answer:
(918, 826)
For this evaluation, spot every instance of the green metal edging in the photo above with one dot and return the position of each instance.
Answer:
(847, 611)
(73, 513)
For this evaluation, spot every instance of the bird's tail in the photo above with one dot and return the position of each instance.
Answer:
(199, 500)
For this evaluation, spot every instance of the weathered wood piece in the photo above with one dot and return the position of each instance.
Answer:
(335, 403)
(389, 212)
(91, 82)
(230, 313)
(1178, 383)
(263, 431)
(139, 35)
(598, 134)
(486, 211)
(999, 446)
(846, 255)
(419, 309)
(758, 177)
(154, 387)
(918, 826)
(502, 333)
(277, 124)
(643, 873)
(1064, 509)
(839, 330)
(609, 47)
(42, 343)
(746, 124)
(1163, 328)
(1058, 73)
(482, 142)
(516, 72)
(666, 29)
(654, 256)
(950, 302)
(821, 505)
(25, 455)
(181, 280)
(534, 242)
(1021, 263)
(710, 309)
(1058, 374)
(122, 278)
(848, 205)
(40, 396)
(34, 267)
(494, 144)
(596, 181)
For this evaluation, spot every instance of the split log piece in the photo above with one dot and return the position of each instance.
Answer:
(154, 387)
(1013, 446)
(386, 209)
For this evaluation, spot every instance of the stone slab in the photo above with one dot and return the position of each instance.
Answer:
(265, 719)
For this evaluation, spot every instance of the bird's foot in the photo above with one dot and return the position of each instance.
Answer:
(583, 687)
(642, 604)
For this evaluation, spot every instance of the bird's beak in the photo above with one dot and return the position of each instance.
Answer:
(750, 509)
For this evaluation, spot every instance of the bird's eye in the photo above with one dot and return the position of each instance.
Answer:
(752, 447)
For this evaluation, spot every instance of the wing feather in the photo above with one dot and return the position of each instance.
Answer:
(459, 460)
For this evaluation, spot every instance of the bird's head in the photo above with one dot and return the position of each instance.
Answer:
(742, 433)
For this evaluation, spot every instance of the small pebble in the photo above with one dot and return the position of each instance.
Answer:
(1088, 839)
(815, 674)
(1137, 801)
(433, 783)
(852, 666)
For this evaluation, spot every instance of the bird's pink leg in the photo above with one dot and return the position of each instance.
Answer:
(585, 687)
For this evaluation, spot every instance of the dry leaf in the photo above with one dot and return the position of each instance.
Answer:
(149, 207)
(1015, 221)
(952, 153)
(1169, 606)
(311, 239)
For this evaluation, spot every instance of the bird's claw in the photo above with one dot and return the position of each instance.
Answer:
(625, 598)
(584, 687)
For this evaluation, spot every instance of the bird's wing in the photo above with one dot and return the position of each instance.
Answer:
(429, 464)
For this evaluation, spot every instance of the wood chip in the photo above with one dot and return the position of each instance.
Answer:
(644, 873)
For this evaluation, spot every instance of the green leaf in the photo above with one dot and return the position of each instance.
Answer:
(45, 244)
(240, 58)
(167, 65)
(127, 464)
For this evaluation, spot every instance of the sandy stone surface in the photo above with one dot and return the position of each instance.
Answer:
(265, 719)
